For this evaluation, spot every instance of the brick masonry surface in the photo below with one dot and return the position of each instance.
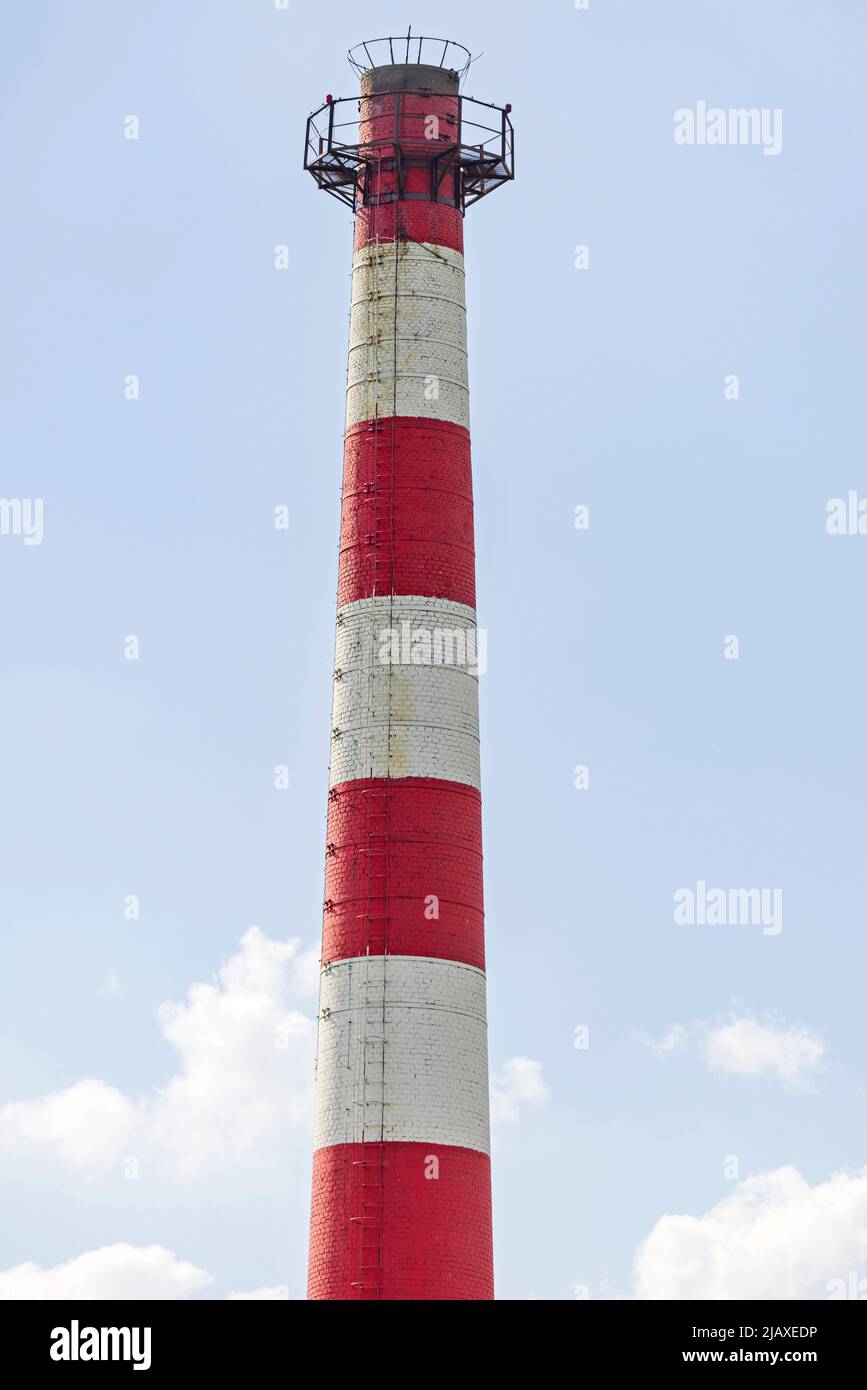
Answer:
(403, 718)
(424, 1237)
(403, 870)
(408, 334)
(407, 511)
(414, 1030)
(435, 224)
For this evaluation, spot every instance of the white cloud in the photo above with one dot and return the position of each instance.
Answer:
(278, 1292)
(745, 1045)
(89, 1125)
(519, 1083)
(245, 1077)
(114, 1271)
(751, 1047)
(672, 1041)
(775, 1237)
(247, 1060)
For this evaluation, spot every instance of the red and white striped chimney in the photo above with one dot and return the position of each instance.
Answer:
(401, 1176)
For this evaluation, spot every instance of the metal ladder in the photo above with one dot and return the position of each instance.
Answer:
(371, 1048)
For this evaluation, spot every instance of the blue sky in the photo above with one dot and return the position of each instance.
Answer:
(602, 387)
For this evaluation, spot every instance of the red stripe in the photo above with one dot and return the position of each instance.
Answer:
(394, 845)
(413, 217)
(407, 513)
(381, 1229)
(420, 124)
(436, 223)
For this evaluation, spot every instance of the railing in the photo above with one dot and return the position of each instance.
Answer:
(409, 48)
(470, 152)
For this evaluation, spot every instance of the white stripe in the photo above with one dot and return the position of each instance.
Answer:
(417, 366)
(406, 690)
(402, 1053)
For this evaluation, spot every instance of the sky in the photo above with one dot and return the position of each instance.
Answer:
(679, 1106)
